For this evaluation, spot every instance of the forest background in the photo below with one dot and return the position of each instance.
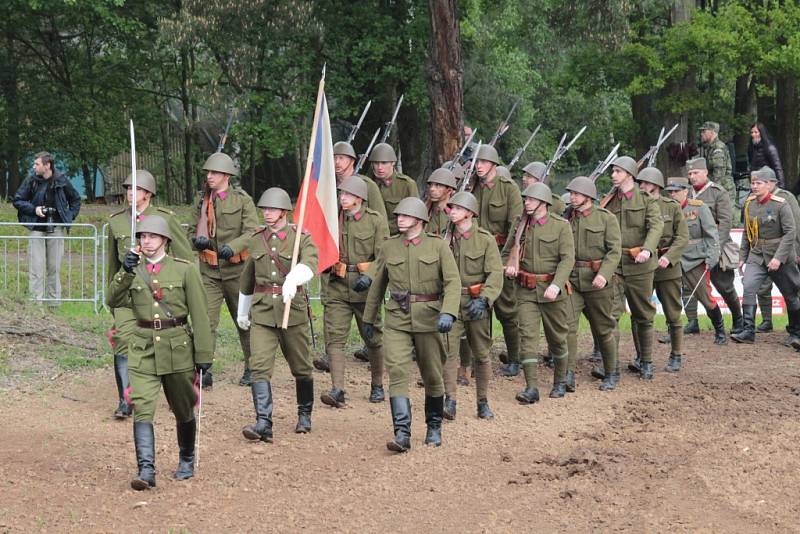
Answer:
(73, 72)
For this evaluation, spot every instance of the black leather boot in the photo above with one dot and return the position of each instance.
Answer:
(635, 366)
(362, 354)
(793, 328)
(334, 398)
(304, 388)
(598, 372)
(647, 371)
(208, 380)
(323, 363)
(449, 409)
(401, 421)
(595, 355)
(748, 333)
(692, 327)
(735, 308)
(528, 396)
(674, 363)
(558, 391)
(186, 437)
(511, 369)
(246, 379)
(124, 409)
(484, 412)
(719, 326)
(434, 410)
(262, 402)
(569, 381)
(145, 441)
(376, 393)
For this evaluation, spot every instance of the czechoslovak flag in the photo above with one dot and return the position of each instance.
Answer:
(319, 213)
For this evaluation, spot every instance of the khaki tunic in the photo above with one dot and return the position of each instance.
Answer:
(674, 239)
(393, 190)
(439, 220)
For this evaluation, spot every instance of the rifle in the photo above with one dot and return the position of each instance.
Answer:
(650, 155)
(465, 181)
(503, 125)
(364, 156)
(461, 152)
(224, 137)
(522, 149)
(605, 164)
(357, 126)
(560, 151)
(390, 124)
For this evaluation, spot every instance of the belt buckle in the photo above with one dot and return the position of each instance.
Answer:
(157, 324)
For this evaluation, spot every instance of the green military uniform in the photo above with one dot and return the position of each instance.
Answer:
(640, 220)
(558, 207)
(598, 246)
(500, 205)
(546, 257)
(718, 159)
(481, 273)
(235, 220)
(439, 220)
(394, 189)
(360, 237)
(765, 291)
(374, 199)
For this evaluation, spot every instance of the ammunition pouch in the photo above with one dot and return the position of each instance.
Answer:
(474, 291)
(530, 280)
(632, 252)
(210, 257)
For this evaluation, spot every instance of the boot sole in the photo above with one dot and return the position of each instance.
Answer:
(320, 367)
(330, 401)
(523, 400)
(183, 477)
(396, 447)
(745, 341)
(302, 430)
(252, 435)
(140, 485)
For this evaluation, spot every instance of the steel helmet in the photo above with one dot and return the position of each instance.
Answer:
(220, 162)
(539, 191)
(275, 197)
(144, 180)
(355, 185)
(536, 169)
(383, 152)
(489, 153)
(651, 175)
(584, 186)
(444, 177)
(154, 224)
(627, 164)
(413, 207)
(465, 200)
(343, 148)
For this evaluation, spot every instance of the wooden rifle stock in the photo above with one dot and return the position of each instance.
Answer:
(514, 254)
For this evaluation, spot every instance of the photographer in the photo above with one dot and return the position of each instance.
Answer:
(46, 197)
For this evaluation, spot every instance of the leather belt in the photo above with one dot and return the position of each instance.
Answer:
(431, 297)
(529, 280)
(594, 265)
(210, 257)
(162, 324)
(769, 241)
(273, 289)
(473, 291)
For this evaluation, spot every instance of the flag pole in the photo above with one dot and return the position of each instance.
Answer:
(302, 200)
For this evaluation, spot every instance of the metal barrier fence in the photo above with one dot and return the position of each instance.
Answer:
(78, 271)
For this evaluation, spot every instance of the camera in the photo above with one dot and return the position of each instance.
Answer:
(49, 214)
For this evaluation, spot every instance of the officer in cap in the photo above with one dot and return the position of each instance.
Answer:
(441, 186)
(393, 186)
(119, 240)
(539, 258)
(480, 270)
(362, 231)
(344, 160)
(421, 275)
(165, 295)
(500, 205)
(224, 222)
(269, 283)
(598, 247)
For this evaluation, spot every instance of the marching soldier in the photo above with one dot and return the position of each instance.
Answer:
(164, 294)
(268, 284)
(344, 159)
(393, 185)
(667, 278)
(768, 251)
(226, 217)
(717, 199)
(700, 255)
(533, 173)
(118, 245)
(598, 248)
(539, 258)
(441, 186)
(480, 270)
(717, 156)
(640, 220)
(500, 205)
(424, 288)
(362, 231)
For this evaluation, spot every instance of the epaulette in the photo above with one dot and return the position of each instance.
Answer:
(165, 210)
(715, 185)
(670, 200)
(751, 197)
(181, 260)
(558, 218)
(293, 226)
(120, 211)
(603, 210)
(505, 179)
(482, 230)
(239, 190)
(259, 230)
(695, 202)
(776, 198)
(432, 234)
(370, 211)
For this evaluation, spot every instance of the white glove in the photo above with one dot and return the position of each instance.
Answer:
(243, 312)
(298, 276)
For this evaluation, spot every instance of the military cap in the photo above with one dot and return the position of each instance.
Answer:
(710, 125)
(539, 191)
(535, 169)
(676, 183)
(144, 180)
(651, 175)
(765, 174)
(220, 162)
(343, 148)
(153, 224)
(583, 185)
(383, 152)
(696, 164)
(413, 207)
(444, 177)
(627, 164)
(489, 153)
(275, 197)
(465, 200)
(355, 185)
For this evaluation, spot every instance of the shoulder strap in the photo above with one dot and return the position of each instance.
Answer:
(274, 256)
(155, 290)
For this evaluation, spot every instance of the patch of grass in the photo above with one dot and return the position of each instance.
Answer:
(75, 359)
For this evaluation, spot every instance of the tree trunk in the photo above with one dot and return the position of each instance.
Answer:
(88, 182)
(787, 131)
(188, 182)
(766, 106)
(163, 127)
(445, 84)
(743, 106)
(8, 81)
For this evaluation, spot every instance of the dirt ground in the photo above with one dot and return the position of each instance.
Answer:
(711, 449)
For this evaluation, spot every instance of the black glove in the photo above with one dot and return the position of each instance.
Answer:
(368, 331)
(130, 262)
(362, 283)
(204, 367)
(225, 253)
(476, 308)
(445, 323)
(201, 242)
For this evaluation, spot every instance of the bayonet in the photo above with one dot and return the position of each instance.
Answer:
(650, 156)
(461, 152)
(561, 150)
(224, 137)
(390, 124)
(521, 150)
(468, 175)
(364, 156)
(357, 126)
(501, 130)
(605, 164)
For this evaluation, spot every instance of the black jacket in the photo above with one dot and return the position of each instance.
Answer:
(765, 153)
(33, 193)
